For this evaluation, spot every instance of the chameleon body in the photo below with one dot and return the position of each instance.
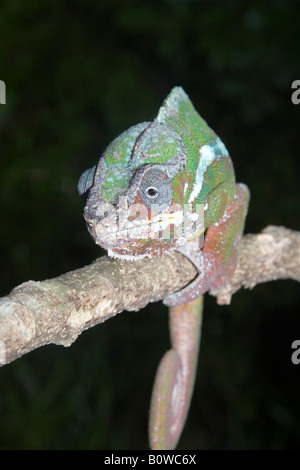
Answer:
(164, 185)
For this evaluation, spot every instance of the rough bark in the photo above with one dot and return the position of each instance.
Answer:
(59, 309)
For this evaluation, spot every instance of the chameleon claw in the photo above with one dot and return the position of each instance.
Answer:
(208, 268)
(174, 382)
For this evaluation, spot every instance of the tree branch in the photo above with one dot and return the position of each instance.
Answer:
(58, 310)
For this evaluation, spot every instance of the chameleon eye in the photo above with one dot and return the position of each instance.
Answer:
(156, 188)
(152, 192)
(86, 181)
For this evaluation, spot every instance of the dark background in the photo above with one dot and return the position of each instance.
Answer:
(77, 74)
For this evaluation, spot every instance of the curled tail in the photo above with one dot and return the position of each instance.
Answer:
(175, 377)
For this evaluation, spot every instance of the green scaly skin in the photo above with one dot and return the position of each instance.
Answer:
(146, 179)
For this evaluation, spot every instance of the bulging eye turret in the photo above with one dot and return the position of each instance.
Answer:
(156, 188)
(86, 181)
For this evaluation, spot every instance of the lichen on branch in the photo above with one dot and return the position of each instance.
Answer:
(58, 310)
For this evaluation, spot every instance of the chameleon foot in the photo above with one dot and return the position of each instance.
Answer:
(216, 261)
(208, 268)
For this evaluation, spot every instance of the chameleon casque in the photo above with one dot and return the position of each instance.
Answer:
(155, 176)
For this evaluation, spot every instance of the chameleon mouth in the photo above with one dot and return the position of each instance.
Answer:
(157, 227)
(135, 239)
(132, 250)
(128, 236)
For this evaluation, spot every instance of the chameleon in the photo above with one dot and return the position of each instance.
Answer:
(163, 185)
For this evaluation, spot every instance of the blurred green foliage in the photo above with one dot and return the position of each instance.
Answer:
(77, 74)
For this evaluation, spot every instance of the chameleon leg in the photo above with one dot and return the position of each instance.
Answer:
(216, 261)
(174, 382)
(223, 237)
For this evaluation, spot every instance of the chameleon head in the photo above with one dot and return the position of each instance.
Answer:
(130, 209)
(138, 196)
